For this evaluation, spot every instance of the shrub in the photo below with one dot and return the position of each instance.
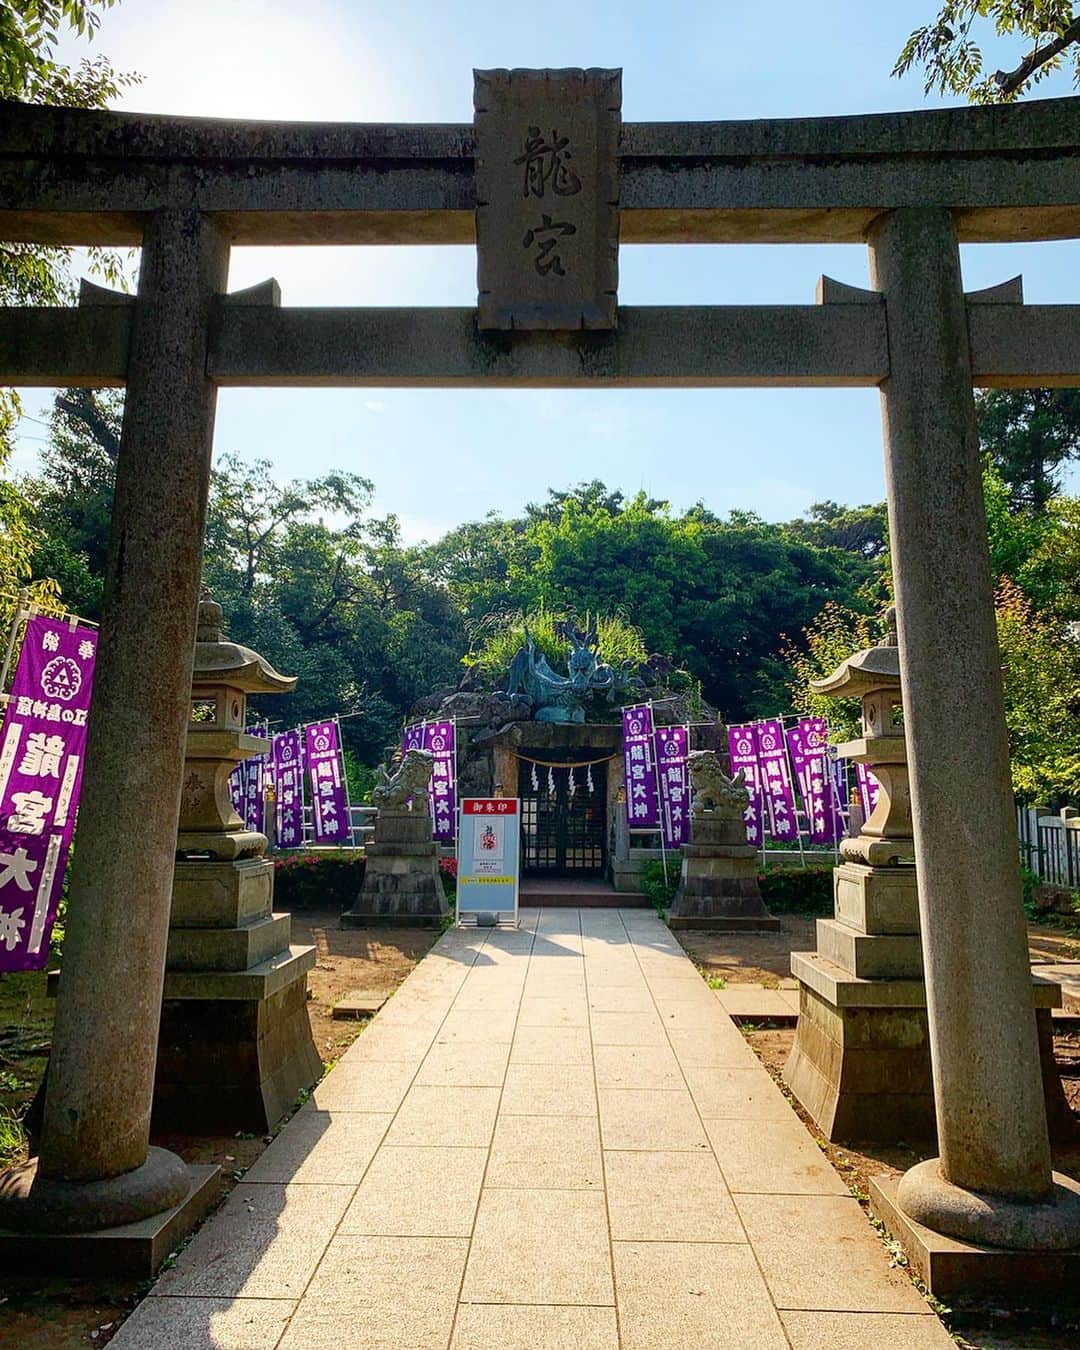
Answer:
(448, 875)
(797, 890)
(310, 880)
(659, 891)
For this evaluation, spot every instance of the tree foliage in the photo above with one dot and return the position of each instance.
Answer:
(31, 274)
(1041, 668)
(948, 52)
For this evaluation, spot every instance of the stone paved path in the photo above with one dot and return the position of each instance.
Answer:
(548, 1138)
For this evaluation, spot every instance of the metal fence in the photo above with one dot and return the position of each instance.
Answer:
(1050, 845)
(361, 818)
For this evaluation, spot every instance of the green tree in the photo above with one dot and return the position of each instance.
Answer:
(1041, 669)
(31, 274)
(947, 50)
(1030, 436)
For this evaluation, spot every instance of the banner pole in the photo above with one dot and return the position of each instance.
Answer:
(345, 781)
(796, 790)
(21, 610)
(656, 785)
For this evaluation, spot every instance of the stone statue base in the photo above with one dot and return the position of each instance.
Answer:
(860, 1064)
(235, 1046)
(718, 887)
(402, 886)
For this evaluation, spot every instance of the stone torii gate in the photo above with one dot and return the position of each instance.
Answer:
(547, 183)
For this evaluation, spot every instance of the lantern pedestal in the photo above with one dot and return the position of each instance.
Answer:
(402, 886)
(860, 1065)
(718, 886)
(235, 1045)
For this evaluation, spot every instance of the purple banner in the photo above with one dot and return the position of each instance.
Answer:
(869, 789)
(285, 756)
(672, 752)
(247, 786)
(775, 777)
(743, 750)
(326, 778)
(41, 765)
(642, 808)
(808, 743)
(439, 739)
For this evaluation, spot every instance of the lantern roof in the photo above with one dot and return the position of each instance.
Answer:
(219, 661)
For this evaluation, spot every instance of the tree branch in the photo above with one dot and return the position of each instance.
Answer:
(81, 407)
(1009, 81)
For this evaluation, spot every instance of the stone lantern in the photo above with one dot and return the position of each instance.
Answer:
(235, 1044)
(860, 1064)
(224, 674)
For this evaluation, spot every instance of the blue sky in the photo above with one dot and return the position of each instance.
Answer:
(440, 457)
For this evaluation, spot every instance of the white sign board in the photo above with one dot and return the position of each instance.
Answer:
(488, 852)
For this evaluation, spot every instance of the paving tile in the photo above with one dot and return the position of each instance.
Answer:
(669, 1197)
(561, 1010)
(650, 1120)
(363, 1085)
(637, 1066)
(551, 1045)
(622, 998)
(468, 1027)
(677, 1295)
(331, 1148)
(464, 1065)
(752, 1001)
(265, 1242)
(383, 1041)
(607, 973)
(418, 1192)
(380, 1293)
(496, 1326)
(488, 999)
(772, 1157)
(549, 1090)
(546, 1152)
(856, 1331)
(539, 1247)
(627, 1028)
(818, 1252)
(431, 1117)
(679, 986)
(205, 1324)
(720, 1049)
(705, 1020)
(736, 1094)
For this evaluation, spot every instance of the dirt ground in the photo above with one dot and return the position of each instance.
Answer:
(764, 958)
(65, 1314)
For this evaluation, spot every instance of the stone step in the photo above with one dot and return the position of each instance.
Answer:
(894, 956)
(228, 948)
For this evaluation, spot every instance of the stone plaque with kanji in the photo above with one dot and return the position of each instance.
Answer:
(547, 197)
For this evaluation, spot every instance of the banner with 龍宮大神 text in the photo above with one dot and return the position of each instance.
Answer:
(42, 751)
(287, 770)
(439, 739)
(642, 806)
(672, 754)
(743, 751)
(326, 779)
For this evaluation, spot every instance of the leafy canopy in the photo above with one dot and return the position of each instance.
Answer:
(947, 50)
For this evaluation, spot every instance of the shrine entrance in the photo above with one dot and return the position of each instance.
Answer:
(563, 818)
(548, 183)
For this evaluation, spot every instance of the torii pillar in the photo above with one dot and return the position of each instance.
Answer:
(992, 1184)
(96, 1168)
